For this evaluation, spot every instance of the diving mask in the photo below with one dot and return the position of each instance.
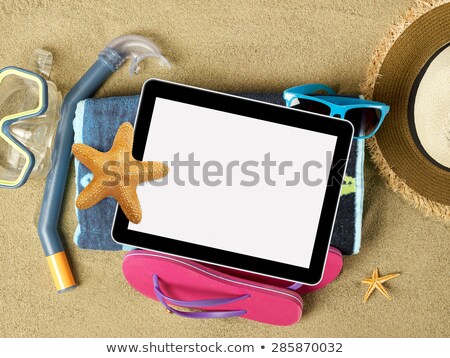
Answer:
(29, 110)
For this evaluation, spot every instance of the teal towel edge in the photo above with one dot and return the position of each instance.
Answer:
(359, 196)
(78, 124)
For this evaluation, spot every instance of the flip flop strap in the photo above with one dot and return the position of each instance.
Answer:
(198, 304)
(294, 286)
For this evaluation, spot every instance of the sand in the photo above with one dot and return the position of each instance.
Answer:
(227, 46)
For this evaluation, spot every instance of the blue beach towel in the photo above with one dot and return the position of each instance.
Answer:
(96, 123)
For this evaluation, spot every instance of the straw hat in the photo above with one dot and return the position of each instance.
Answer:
(411, 72)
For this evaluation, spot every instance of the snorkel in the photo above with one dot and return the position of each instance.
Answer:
(133, 47)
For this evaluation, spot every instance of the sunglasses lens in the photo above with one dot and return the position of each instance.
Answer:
(311, 106)
(365, 120)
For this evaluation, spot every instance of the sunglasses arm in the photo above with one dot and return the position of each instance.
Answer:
(293, 92)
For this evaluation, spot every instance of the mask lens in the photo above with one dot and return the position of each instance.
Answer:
(17, 95)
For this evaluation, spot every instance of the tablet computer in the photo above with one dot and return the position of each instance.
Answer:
(251, 185)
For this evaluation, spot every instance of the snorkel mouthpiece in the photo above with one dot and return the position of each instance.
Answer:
(131, 47)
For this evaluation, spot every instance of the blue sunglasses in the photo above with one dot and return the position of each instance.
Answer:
(366, 116)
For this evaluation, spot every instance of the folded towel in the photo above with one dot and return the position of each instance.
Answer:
(96, 122)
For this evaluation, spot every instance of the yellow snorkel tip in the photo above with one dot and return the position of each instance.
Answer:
(61, 272)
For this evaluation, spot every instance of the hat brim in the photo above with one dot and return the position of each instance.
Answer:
(392, 75)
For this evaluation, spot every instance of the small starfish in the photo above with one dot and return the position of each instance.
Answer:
(116, 174)
(376, 282)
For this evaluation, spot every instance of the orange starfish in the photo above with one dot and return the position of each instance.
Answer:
(116, 174)
(376, 282)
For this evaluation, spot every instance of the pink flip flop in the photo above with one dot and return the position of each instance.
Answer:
(181, 282)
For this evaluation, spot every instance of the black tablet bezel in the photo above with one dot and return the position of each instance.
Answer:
(342, 129)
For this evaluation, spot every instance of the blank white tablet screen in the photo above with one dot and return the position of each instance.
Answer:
(233, 198)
